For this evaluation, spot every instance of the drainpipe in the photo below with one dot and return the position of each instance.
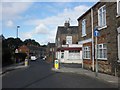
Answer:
(118, 29)
(92, 39)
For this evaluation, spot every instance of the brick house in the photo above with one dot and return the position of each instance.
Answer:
(104, 15)
(67, 48)
(50, 52)
(23, 49)
(37, 51)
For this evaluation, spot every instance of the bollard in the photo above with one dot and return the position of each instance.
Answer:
(26, 62)
(56, 64)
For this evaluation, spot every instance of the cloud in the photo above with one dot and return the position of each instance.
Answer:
(53, 0)
(41, 29)
(61, 17)
(12, 10)
(9, 23)
(49, 25)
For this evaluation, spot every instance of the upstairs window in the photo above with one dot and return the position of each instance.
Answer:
(84, 28)
(68, 39)
(102, 16)
(118, 7)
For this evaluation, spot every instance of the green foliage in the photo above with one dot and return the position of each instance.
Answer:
(31, 42)
(6, 56)
(20, 56)
(9, 46)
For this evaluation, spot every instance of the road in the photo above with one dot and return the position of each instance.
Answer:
(40, 75)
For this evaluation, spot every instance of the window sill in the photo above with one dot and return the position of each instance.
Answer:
(102, 27)
(86, 58)
(84, 35)
(117, 15)
(102, 58)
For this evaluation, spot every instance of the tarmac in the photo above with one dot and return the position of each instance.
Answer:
(114, 80)
(12, 67)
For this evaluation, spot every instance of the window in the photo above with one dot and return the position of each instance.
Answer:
(62, 55)
(86, 52)
(102, 51)
(84, 27)
(68, 39)
(102, 16)
(118, 7)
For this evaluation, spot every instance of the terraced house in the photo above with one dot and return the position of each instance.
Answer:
(105, 16)
(67, 48)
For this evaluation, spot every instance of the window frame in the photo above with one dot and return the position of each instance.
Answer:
(86, 52)
(118, 5)
(84, 27)
(69, 40)
(102, 19)
(102, 49)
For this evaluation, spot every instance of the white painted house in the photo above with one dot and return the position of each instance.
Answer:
(69, 53)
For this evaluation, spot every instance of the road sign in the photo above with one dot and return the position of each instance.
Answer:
(96, 33)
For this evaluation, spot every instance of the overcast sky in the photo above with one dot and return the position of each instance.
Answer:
(39, 20)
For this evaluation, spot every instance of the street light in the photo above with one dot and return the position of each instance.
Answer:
(17, 30)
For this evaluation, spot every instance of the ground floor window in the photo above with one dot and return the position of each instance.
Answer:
(74, 54)
(86, 52)
(102, 51)
(62, 55)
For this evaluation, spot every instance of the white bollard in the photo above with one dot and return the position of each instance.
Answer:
(26, 62)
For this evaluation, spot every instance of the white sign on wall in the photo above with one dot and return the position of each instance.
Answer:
(68, 39)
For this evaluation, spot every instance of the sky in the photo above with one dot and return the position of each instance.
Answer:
(39, 20)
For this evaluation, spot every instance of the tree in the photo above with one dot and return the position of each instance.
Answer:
(31, 42)
(8, 49)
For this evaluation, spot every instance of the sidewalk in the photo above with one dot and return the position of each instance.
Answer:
(12, 67)
(101, 76)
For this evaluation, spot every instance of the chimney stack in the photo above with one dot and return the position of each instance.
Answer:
(67, 24)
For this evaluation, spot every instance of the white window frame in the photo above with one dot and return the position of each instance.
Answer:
(102, 48)
(118, 7)
(102, 19)
(68, 39)
(62, 55)
(86, 52)
(83, 27)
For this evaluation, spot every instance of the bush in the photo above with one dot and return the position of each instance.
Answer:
(20, 56)
(6, 57)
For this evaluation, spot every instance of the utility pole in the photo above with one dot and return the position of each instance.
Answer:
(96, 34)
(92, 40)
(96, 57)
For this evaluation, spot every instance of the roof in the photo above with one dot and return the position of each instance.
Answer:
(51, 44)
(87, 11)
(35, 48)
(69, 30)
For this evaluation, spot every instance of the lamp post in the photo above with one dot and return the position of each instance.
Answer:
(17, 31)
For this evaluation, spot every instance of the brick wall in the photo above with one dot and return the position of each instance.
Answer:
(108, 35)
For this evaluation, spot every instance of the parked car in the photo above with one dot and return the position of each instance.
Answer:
(33, 58)
(44, 58)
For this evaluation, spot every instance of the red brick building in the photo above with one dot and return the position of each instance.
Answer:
(104, 15)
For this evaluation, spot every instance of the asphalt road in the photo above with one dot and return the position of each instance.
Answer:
(39, 75)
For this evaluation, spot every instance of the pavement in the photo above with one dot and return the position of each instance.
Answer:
(114, 80)
(12, 67)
